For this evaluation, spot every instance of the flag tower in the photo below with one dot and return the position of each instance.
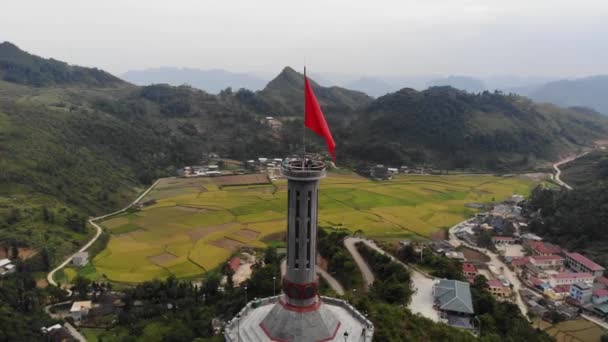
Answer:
(299, 314)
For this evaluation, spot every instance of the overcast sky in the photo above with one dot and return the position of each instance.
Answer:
(401, 37)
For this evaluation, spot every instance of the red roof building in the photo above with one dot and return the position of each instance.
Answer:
(580, 263)
(520, 262)
(234, 263)
(497, 288)
(469, 270)
(547, 261)
(602, 280)
(542, 248)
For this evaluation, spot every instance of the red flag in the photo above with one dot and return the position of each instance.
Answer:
(314, 118)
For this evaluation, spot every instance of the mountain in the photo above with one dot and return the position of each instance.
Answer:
(284, 96)
(472, 85)
(20, 67)
(450, 128)
(211, 81)
(586, 92)
(372, 86)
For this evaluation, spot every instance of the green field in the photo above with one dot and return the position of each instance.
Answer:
(196, 224)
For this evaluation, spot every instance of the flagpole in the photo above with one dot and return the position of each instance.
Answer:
(304, 126)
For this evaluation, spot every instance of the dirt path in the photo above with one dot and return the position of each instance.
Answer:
(98, 230)
(558, 172)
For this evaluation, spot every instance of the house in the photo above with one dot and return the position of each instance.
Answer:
(520, 261)
(580, 263)
(467, 237)
(80, 259)
(6, 267)
(599, 296)
(602, 281)
(455, 255)
(57, 333)
(581, 293)
(541, 248)
(601, 310)
(80, 309)
(453, 297)
(498, 288)
(545, 262)
(569, 278)
(469, 270)
(503, 240)
(441, 246)
(531, 237)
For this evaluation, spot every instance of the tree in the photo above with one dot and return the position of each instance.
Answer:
(81, 286)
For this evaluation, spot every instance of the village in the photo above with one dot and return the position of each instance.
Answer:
(543, 279)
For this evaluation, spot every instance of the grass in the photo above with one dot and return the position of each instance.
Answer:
(200, 223)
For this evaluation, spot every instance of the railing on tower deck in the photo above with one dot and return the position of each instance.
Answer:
(231, 334)
(312, 169)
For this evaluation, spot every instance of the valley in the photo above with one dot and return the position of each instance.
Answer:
(196, 224)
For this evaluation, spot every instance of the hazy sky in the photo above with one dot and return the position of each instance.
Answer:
(402, 37)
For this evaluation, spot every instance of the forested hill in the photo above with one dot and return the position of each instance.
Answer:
(21, 67)
(450, 128)
(284, 96)
(575, 219)
(586, 170)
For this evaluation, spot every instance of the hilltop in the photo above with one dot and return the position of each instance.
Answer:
(284, 96)
(20, 67)
(583, 92)
(454, 129)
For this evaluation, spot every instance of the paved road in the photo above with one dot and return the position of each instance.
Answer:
(331, 281)
(496, 262)
(75, 333)
(98, 230)
(558, 172)
(422, 300)
(368, 275)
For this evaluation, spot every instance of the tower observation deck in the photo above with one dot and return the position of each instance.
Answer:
(299, 314)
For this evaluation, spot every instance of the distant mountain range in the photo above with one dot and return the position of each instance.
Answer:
(589, 92)
(211, 81)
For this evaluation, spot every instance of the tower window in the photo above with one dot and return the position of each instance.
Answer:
(309, 202)
(297, 204)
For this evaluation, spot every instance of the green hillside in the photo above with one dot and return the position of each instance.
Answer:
(586, 170)
(284, 96)
(449, 128)
(79, 140)
(21, 67)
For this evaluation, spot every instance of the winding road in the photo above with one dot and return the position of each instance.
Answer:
(422, 300)
(98, 230)
(558, 172)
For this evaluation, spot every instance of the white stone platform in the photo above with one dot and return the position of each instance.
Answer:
(245, 326)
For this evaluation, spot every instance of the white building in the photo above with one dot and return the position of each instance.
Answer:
(80, 259)
(80, 309)
(567, 278)
(6, 267)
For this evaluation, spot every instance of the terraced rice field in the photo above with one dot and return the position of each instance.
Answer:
(196, 224)
(578, 330)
